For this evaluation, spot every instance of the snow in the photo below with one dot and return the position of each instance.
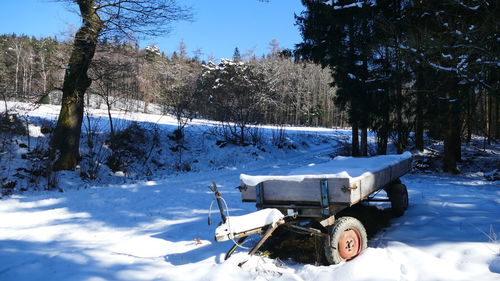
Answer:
(448, 56)
(147, 232)
(156, 229)
(355, 4)
(469, 7)
(339, 167)
(238, 224)
(442, 67)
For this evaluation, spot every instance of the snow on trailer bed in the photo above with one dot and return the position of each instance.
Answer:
(332, 186)
(245, 224)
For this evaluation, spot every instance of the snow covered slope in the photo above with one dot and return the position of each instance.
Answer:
(157, 230)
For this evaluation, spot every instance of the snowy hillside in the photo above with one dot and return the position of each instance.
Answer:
(154, 226)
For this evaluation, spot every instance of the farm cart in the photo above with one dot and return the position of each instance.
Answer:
(315, 195)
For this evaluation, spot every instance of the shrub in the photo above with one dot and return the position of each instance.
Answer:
(132, 145)
(45, 99)
(12, 123)
(127, 147)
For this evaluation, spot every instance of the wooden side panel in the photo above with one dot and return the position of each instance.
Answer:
(372, 182)
(382, 178)
(247, 193)
(341, 190)
(308, 190)
(338, 190)
(367, 185)
(401, 168)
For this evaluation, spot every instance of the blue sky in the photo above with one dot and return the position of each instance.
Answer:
(218, 27)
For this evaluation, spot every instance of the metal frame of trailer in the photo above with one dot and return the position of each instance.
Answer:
(318, 199)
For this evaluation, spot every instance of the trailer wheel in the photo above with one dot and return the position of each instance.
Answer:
(347, 240)
(398, 195)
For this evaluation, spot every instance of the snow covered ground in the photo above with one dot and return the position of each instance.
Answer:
(157, 229)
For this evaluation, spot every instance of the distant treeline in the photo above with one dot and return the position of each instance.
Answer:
(298, 92)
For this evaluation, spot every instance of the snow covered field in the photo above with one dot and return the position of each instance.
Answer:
(157, 229)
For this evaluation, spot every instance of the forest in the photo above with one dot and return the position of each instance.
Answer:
(34, 68)
(410, 66)
(404, 70)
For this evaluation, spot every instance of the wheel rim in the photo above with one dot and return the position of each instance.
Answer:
(349, 244)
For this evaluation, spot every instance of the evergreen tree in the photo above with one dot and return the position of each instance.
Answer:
(457, 41)
(339, 35)
(175, 57)
(236, 54)
(390, 73)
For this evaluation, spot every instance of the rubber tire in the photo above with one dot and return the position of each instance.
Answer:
(398, 195)
(336, 230)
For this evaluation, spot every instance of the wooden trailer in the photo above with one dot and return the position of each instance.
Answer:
(317, 193)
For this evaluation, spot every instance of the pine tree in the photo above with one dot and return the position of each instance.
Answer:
(390, 72)
(339, 35)
(236, 54)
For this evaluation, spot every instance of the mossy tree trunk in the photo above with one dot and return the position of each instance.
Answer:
(66, 139)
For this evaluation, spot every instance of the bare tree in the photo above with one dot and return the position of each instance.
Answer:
(18, 48)
(178, 87)
(178, 82)
(110, 73)
(237, 95)
(121, 18)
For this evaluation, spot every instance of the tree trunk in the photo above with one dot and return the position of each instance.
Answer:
(18, 48)
(66, 139)
(364, 141)
(419, 131)
(401, 134)
(25, 79)
(242, 135)
(496, 117)
(382, 140)
(355, 139)
(452, 145)
(419, 115)
(470, 114)
(491, 119)
(111, 127)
